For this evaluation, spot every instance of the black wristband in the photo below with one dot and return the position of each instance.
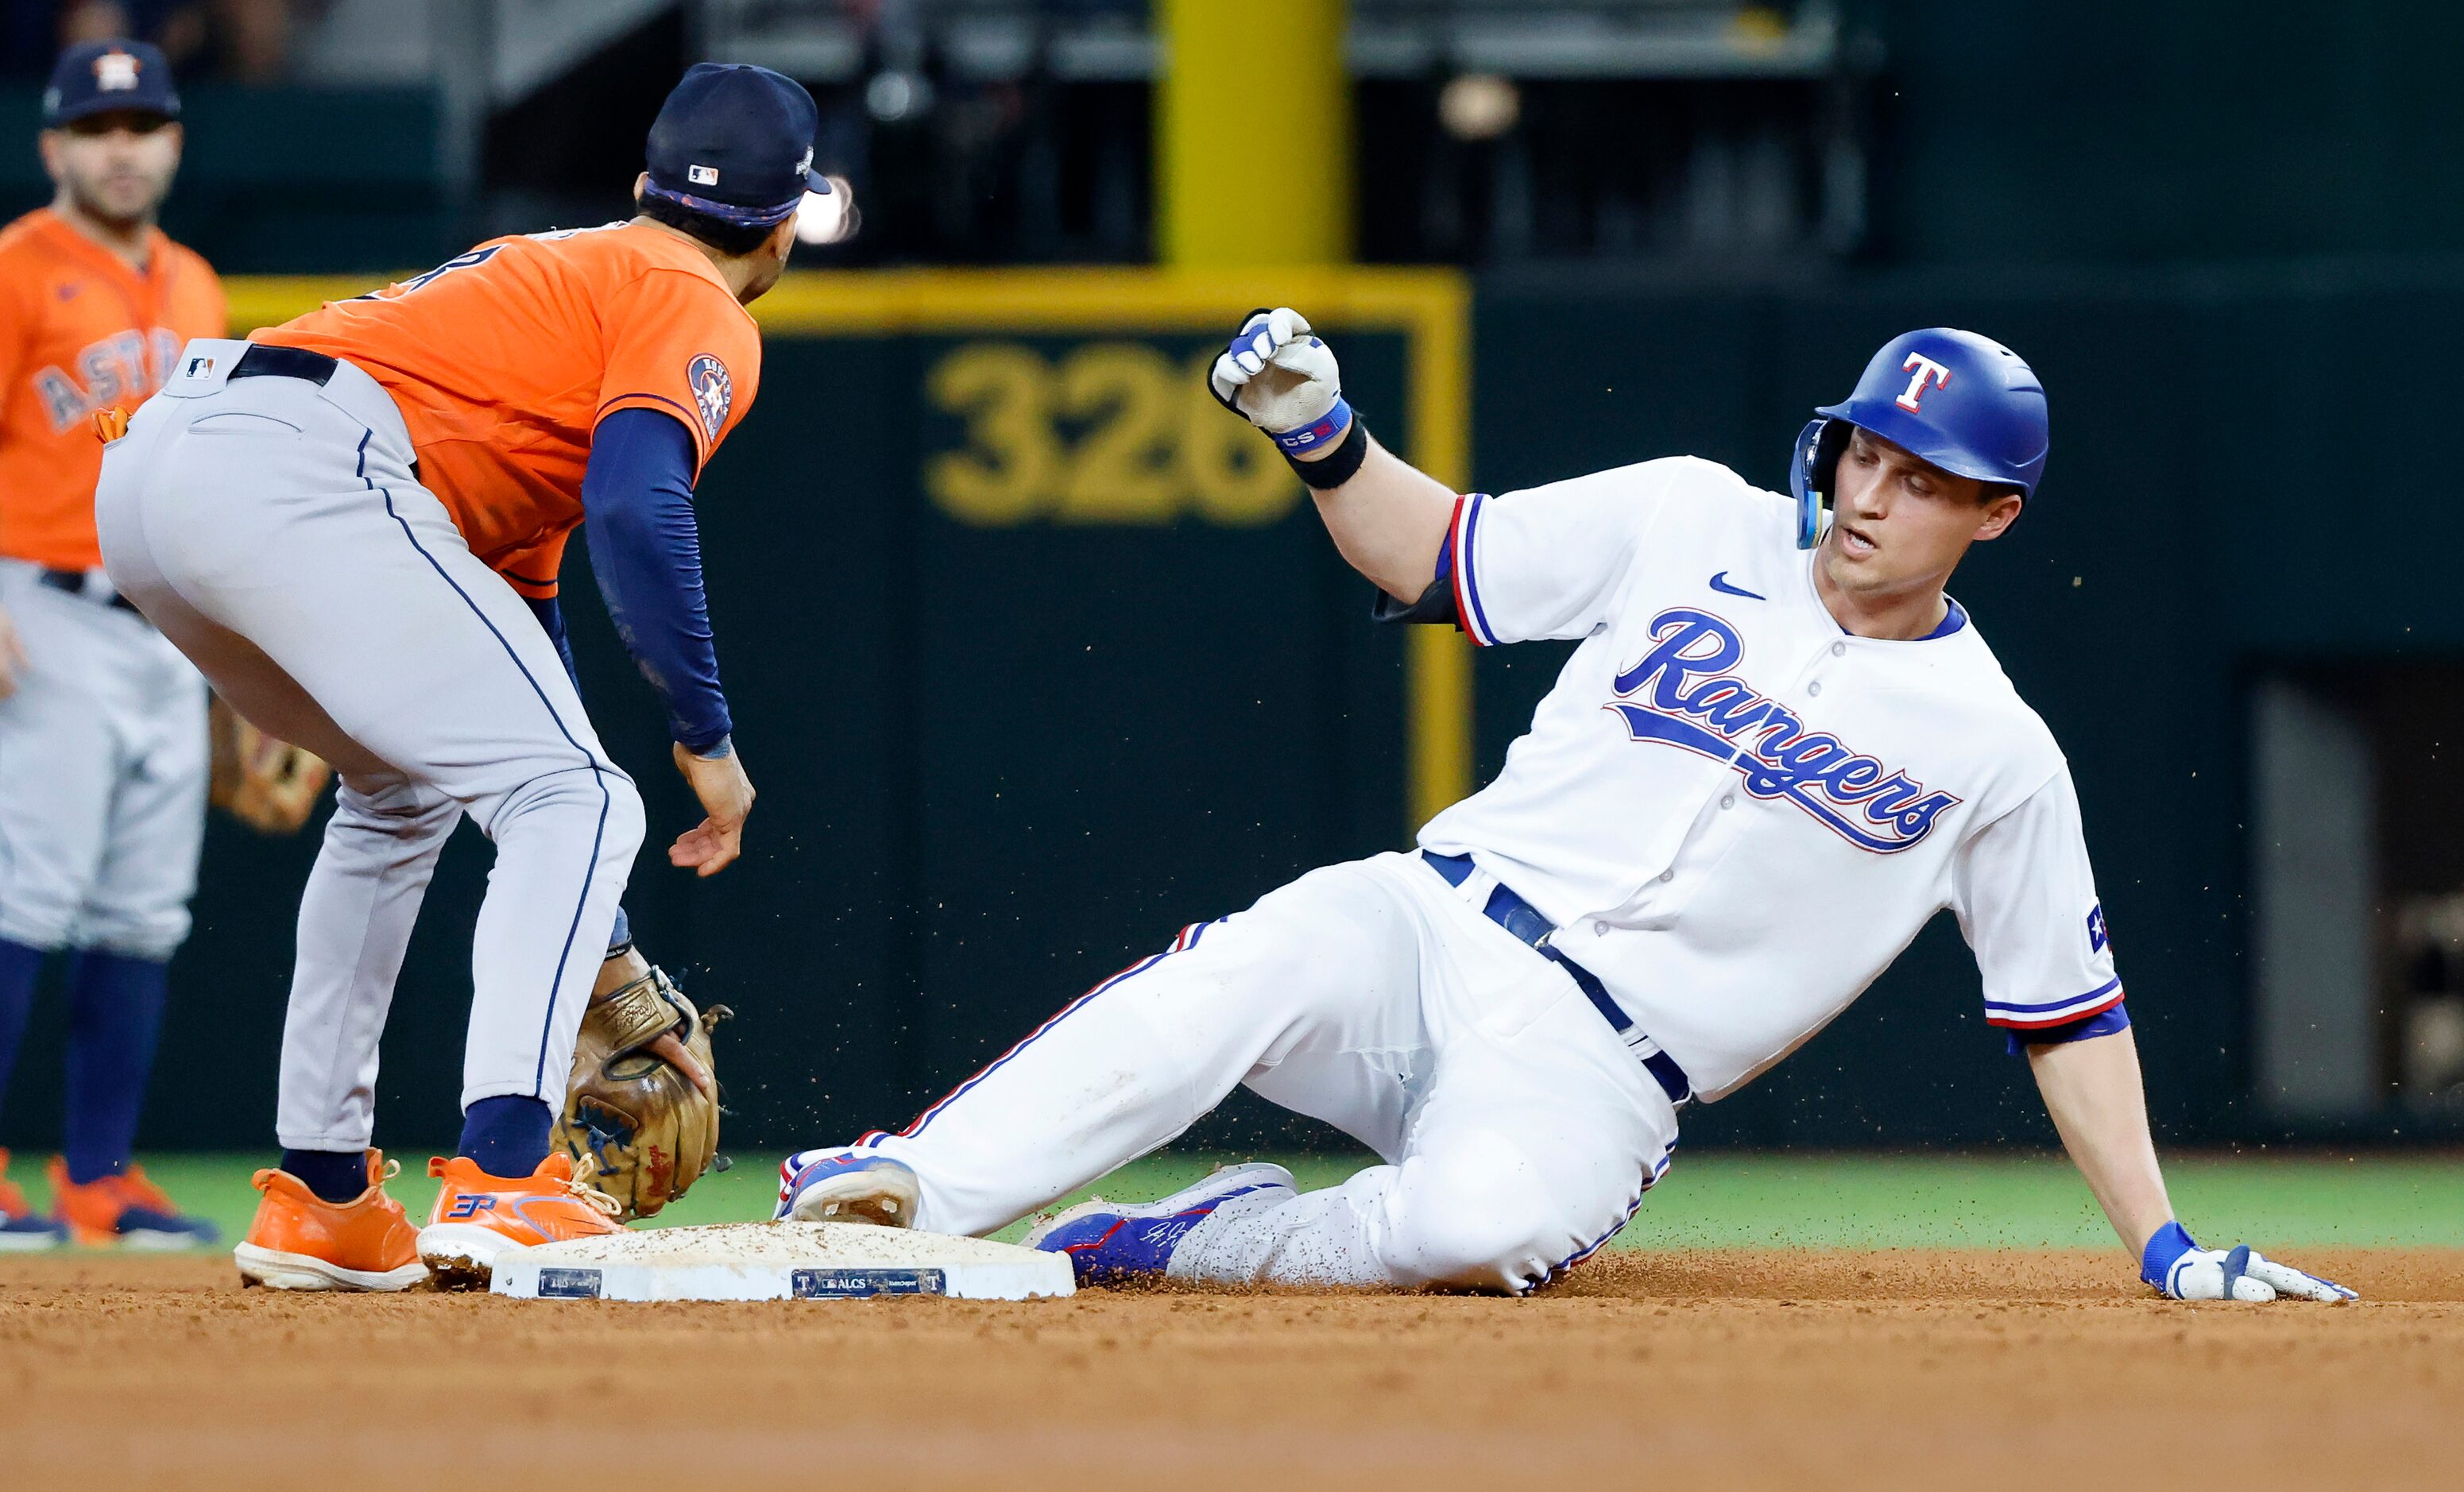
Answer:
(1339, 468)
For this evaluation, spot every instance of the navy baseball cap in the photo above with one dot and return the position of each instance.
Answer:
(735, 141)
(102, 77)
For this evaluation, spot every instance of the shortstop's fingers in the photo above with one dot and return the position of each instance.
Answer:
(705, 848)
(1227, 375)
(670, 1049)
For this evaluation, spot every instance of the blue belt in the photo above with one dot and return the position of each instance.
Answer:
(1523, 920)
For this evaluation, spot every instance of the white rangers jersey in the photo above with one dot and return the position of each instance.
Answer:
(1736, 812)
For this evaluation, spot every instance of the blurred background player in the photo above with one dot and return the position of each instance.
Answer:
(102, 723)
(353, 524)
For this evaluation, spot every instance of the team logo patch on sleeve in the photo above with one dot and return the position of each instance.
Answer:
(714, 392)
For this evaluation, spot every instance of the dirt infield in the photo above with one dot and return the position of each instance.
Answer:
(1746, 1370)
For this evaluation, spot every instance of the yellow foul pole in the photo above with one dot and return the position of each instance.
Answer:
(1253, 158)
(1253, 170)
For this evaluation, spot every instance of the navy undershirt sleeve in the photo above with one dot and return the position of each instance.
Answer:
(551, 620)
(646, 551)
(2104, 1022)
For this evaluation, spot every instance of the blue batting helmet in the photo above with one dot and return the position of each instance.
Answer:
(1961, 401)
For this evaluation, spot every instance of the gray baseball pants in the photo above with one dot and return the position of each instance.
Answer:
(274, 529)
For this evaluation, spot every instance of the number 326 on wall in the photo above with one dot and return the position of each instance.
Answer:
(1113, 432)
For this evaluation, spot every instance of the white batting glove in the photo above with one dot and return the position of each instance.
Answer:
(2175, 1264)
(1283, 380)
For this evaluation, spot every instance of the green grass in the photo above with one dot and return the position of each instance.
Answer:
(1730, 1200)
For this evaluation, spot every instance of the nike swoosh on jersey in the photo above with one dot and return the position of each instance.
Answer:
(1720, 583)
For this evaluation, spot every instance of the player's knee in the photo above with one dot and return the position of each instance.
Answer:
(1475, 1216)
(153, 933)
(598, 800)
(141, 915)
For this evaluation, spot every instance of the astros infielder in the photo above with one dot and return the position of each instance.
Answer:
(1778, 750)
(352, 524)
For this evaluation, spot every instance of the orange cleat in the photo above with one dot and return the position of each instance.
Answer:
(125, 1209)
(301, 1242)
(22, 1229)
(480, 1217)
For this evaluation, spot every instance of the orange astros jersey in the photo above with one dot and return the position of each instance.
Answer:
(80, 331)
(505, 359)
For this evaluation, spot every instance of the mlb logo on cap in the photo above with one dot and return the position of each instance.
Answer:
(736, 142)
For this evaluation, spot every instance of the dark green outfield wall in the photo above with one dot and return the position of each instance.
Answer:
(999, 763)
(2122, 132)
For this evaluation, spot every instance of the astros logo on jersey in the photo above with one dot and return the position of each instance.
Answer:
(1855, 796)
(714, 392)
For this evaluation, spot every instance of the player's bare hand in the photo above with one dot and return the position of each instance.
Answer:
(726, 797)
(12, 656)
(2176, 1265)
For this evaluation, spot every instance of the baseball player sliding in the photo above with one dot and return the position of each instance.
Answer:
(341, 523)
(102, 723)
(1778, 750)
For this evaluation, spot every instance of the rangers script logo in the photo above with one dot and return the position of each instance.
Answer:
(713, 390)
(1687, 699)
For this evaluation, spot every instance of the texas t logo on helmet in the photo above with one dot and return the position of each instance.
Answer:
(1927, 371)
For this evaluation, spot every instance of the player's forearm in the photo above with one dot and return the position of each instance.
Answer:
(645, 554)
(1388, 520)
(2093, 1090)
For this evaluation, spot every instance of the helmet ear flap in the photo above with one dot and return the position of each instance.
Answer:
(1810, 472)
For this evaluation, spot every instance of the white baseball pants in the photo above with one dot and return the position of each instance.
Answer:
(1518, 1133)
(274, 530)
(102, 775)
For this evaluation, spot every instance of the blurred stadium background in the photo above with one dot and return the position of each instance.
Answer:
(1028, 682)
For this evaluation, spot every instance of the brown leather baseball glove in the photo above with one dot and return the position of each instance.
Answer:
(643, 1106)
(268, 784)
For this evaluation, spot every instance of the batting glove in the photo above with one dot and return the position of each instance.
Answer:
(1283, 380)
(2175, 1264)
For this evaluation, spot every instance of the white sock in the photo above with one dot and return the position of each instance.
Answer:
(1314, 1239)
